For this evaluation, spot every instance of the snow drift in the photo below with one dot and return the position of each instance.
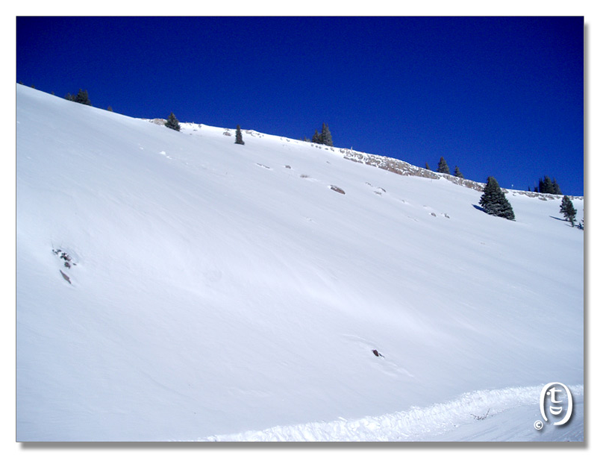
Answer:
(214, 288)
(508, 415)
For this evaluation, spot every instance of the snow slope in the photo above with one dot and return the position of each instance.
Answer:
(216, 289)
(501, 415)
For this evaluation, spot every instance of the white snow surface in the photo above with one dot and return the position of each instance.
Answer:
(502, 415)
(225, 292)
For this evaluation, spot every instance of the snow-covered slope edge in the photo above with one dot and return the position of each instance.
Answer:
(389, 164)
(214, 288)
(468, 418)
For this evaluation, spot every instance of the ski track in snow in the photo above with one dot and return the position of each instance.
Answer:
(467, 418)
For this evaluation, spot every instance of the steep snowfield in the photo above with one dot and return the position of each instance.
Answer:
(216, 289)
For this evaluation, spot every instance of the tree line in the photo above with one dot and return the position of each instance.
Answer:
(547, 186)
(444, 168)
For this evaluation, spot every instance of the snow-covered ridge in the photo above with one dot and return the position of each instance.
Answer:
(176, 286)
(426, 424)
(390, 164)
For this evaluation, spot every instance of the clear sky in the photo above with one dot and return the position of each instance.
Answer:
(493, 96)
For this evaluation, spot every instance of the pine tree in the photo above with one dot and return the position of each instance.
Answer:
(326, 136)
(443, 166)
(83, 98)
(316, 138)
(173, 123)
(548, 186)
(567, 209)
(457, 172)
(238, 136)
(556, 186)
(494, 201)
(427, 166)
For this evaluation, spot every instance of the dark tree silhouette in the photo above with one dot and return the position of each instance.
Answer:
(443, 166)
(567, 209)
(494, 201)
(173, 123)
(323, 137)
(238, 136)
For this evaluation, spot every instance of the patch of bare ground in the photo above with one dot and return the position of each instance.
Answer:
(404, 168)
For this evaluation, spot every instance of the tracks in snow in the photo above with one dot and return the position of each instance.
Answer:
(470, 410)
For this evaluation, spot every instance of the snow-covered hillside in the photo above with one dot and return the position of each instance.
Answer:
(214, 289)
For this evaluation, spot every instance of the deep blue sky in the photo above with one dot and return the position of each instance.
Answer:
(495, 96)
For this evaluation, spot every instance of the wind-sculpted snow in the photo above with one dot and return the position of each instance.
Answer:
(435, 423)
(176, 285)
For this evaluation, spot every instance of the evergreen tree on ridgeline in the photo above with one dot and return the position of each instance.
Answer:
(556, 187)
(326, 136)
(83, 98)
(494, 201)
(238, 136)
(568, 210)
(427, 166)
(323, 137)
(548, 186)
(457, 172)
(316, 138)
(173, 123)
(443, 166)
